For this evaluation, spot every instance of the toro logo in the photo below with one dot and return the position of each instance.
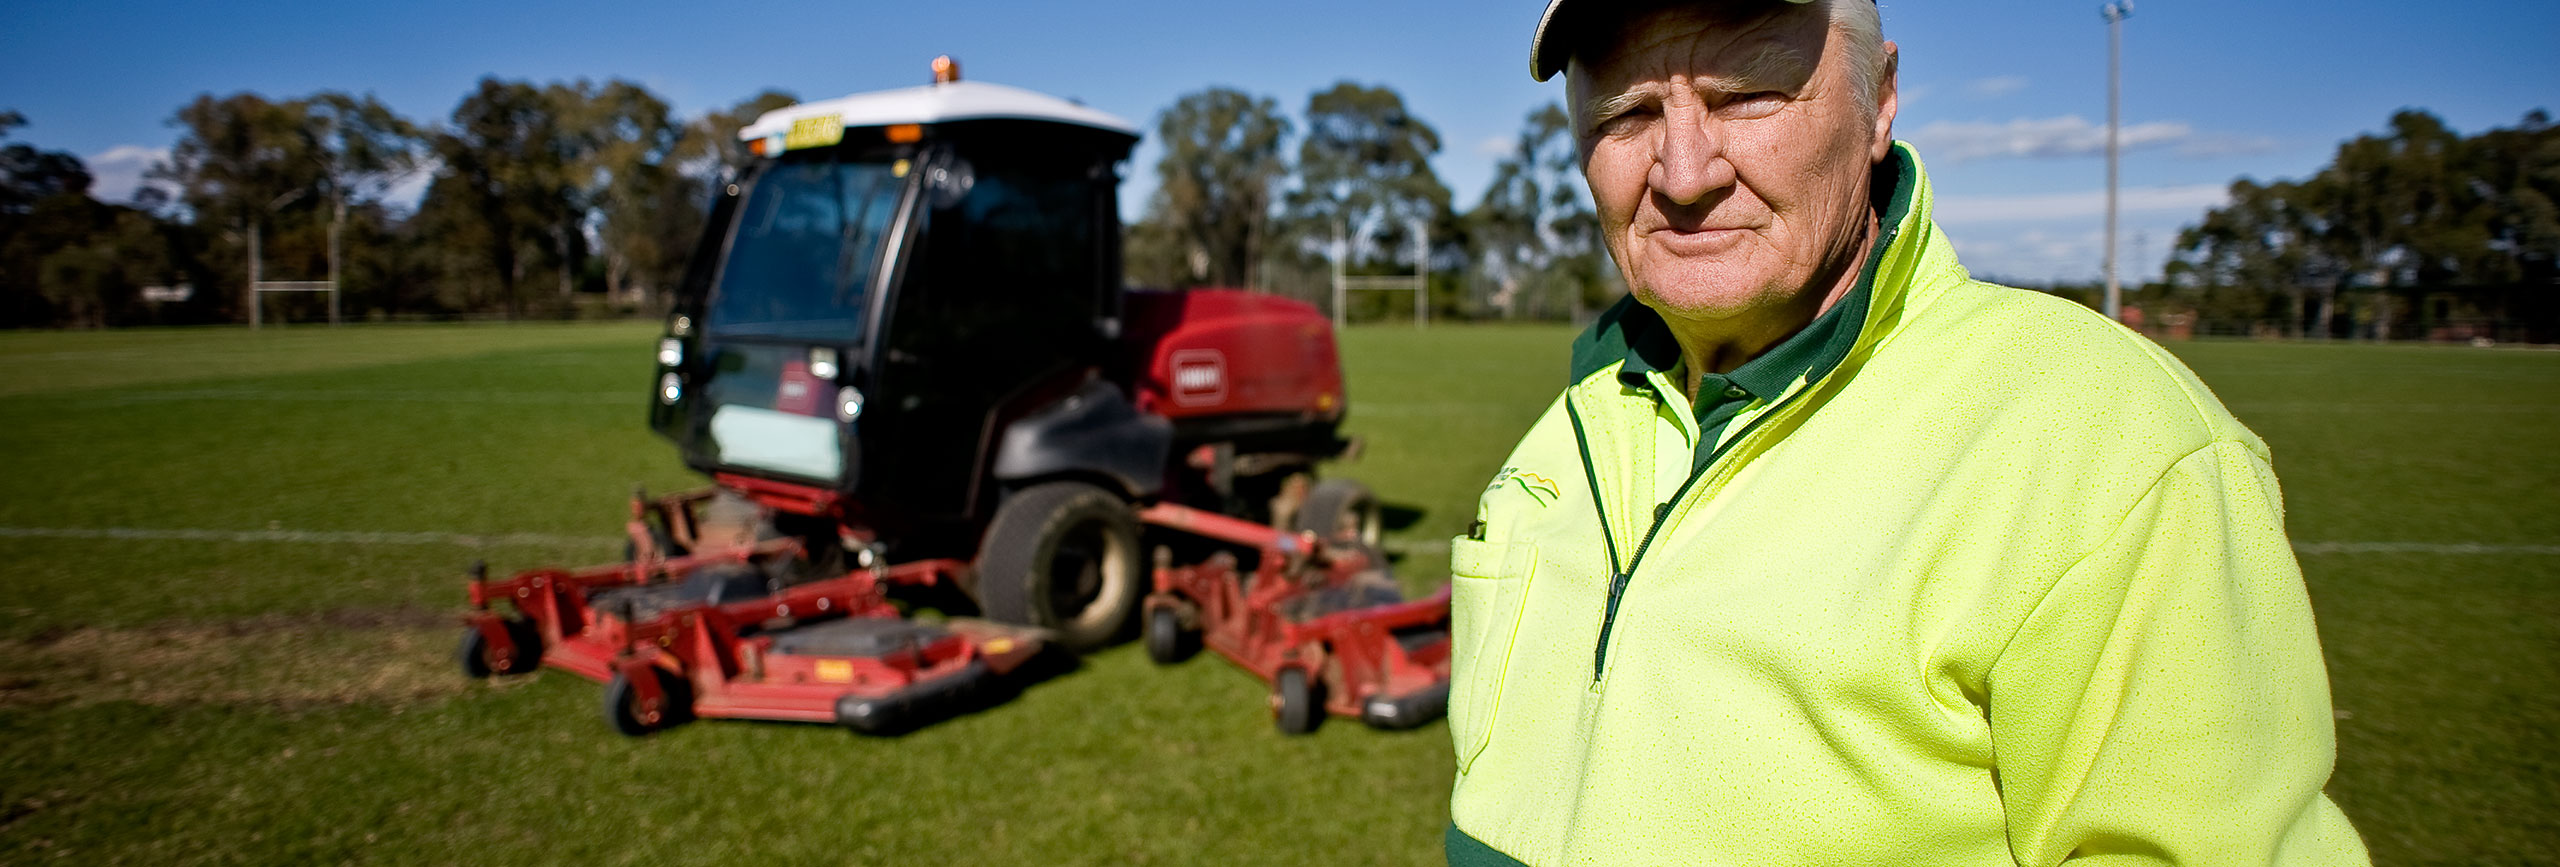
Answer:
(1199, 377)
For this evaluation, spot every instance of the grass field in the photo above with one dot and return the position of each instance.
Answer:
(233, 561)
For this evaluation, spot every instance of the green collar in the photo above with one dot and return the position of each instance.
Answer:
(1632, 333)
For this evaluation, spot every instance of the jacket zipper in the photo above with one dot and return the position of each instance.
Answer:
(1620, 575)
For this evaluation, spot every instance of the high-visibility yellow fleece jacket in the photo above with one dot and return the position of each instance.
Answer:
(1982, 579)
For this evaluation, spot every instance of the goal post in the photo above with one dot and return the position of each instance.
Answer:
(259, 286)
(1418, 283)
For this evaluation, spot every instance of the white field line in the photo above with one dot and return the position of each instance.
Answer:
(476, 540)
(323, 537)
(274, 395)
(2419, 548)
(2396, 408)
(1441, 546)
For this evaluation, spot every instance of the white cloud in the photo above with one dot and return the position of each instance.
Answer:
(2192, 199)
(117, 173)
(2067, 249)
(1995, 86)
(405, 195)
(2207, 146)
(1496, 146)
(2065, 136)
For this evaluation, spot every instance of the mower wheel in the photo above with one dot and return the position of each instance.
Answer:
(1167, 641)
(622, 705)
(1336, 508)
(1297, 703)
(480, 660)
(1062, 556)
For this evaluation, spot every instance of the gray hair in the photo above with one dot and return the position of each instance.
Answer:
(1862, 26)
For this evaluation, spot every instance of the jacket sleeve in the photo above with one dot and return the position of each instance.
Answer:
(2165, 702)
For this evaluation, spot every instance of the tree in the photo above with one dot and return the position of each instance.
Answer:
(503, 185)
(2418, 207)
(1212, 204)
(628, 145)
(1534, 232)
(1364, 168)
(28, 175)
(364, 149)
(711, 149)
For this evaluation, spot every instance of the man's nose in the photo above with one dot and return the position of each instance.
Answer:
(1688, 160)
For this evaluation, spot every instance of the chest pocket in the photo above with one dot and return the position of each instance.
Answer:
(1490, 583)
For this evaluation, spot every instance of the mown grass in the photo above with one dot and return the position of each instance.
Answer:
(245, 728)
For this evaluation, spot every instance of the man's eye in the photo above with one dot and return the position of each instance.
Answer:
(1624, 122)
(1754, 105)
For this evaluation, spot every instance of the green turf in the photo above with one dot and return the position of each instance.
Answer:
(2442, 659)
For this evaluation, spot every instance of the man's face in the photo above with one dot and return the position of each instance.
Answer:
(1729, 159)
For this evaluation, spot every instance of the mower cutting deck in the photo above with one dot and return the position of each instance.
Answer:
(1320, 620)
(734, 635)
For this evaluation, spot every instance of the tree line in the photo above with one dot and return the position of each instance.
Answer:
(568, 198)
(2418, 227)
(587, 198)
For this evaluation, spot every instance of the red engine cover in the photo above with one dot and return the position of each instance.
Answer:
(1208, 352)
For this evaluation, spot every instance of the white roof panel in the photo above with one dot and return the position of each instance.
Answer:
(936, 103)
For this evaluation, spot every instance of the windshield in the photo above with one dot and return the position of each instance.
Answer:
(801, 258)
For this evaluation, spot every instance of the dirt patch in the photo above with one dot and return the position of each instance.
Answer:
(386, 656)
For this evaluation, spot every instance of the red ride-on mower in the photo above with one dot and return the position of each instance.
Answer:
(737, 629)
(1319, 617)
(905, 335)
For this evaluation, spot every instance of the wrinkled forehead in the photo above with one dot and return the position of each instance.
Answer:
(1769, 45)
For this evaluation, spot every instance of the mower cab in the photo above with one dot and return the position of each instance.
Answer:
(898, 275)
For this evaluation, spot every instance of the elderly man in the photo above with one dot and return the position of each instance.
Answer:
(1830, 555)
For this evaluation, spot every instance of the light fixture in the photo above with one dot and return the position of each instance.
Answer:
(848, 403)
(670, 388)
(822, 363)
(683, 325)
(670, 352)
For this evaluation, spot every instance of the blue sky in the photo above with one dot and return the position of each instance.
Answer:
(2005, 98)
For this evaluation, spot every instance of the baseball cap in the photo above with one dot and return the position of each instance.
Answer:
(1549, 50)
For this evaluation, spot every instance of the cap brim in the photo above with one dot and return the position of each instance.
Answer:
(1551, 48)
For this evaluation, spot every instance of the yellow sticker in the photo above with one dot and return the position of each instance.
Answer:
(835, 671)
(814, 132)
(898, 169)
(1000, 645)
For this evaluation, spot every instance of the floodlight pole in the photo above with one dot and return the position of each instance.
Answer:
(1421, 272)
(253, 272)
(2114, 12)
(1341, 250)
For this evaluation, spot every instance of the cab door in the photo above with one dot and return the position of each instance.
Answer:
(998, 306)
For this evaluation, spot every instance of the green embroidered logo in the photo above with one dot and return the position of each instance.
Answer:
(1540, 488)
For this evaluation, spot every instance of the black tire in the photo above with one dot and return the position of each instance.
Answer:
(1336, 508)
(1297, 702)
(622, 705)
(474, 654)
(480, 660)
(1167, 641)
(1062, 556)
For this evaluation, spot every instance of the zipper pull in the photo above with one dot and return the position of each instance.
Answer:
(1608, 618)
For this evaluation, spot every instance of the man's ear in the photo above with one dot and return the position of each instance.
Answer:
(1888, 102)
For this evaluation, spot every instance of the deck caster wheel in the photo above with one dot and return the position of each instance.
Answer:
(1167, 641)
(1338, 509)
(631, 715)
(1062, 556)
(1297, 703)
(480, 658)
